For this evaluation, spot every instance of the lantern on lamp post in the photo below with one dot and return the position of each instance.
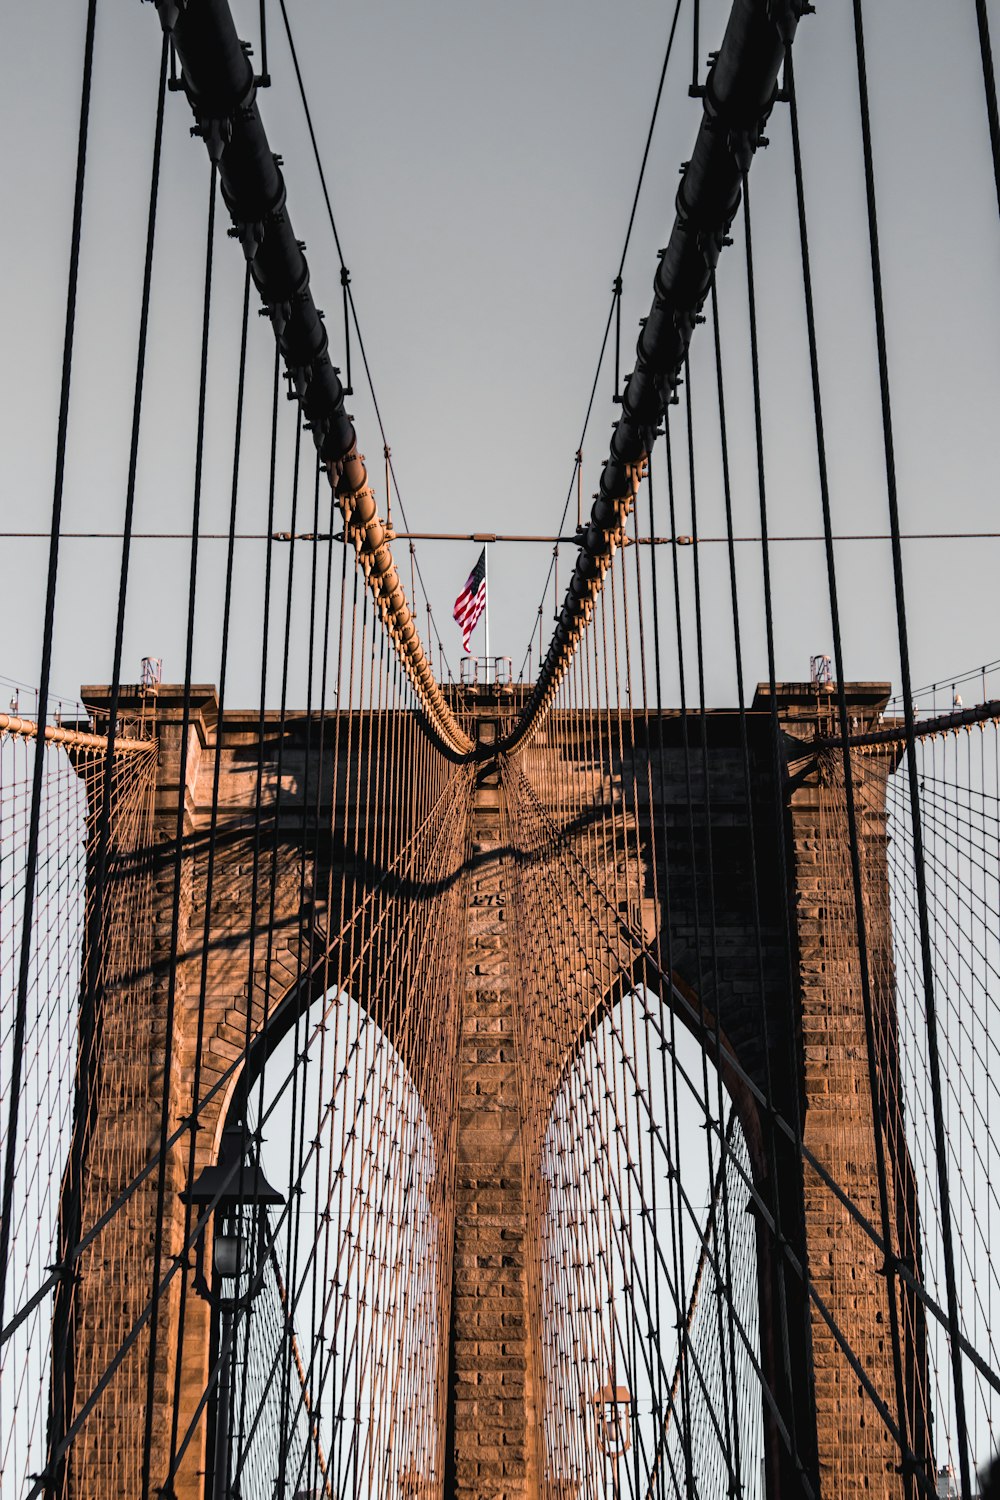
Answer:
(612, 1407)
(235, 1196)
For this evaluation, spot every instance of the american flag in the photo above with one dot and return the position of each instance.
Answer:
(472, 600)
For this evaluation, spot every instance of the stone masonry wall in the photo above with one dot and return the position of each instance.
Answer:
(495, 1399)
(494, 1440)
(856, 1454)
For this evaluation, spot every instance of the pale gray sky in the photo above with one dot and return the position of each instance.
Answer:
(482, 161)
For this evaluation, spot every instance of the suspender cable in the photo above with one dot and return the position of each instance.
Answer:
(739, 93)
(219, 82)
(17, 1043)
(930, 998)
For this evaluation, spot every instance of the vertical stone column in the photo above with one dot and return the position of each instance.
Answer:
(116, 1271)
(856, 1453)
(493, 1436)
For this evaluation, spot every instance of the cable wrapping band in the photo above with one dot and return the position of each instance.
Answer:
(739, 93)
(219, 82)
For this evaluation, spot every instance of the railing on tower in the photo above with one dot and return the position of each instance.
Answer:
(486, 672)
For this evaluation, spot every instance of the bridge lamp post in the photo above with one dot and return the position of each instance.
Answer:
(229, 1188)
(612, 1406)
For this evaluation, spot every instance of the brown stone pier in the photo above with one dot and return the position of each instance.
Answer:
(491, 1402)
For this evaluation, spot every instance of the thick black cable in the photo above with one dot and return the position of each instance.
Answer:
(312, 133)
(212, 843)
(264, 79)
(713, 936)
(324, 668)
(990, 87)
(345, 275)
(44, 678)
(681, 660)
(700, 1017)
(178, 858)
(658, 1394)
(666, 962)
(762, 988)
(64, 1322)
(615, 308)
(875, 1084)
(695, 46)
(916, 832)
(273, 875)
(257, 841)
(778, 776)
(649, 139)
(307, 938)
(777, 786)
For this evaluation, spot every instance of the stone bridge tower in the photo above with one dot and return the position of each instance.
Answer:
(800, 962)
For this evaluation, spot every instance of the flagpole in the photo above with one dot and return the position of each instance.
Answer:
(486, 581)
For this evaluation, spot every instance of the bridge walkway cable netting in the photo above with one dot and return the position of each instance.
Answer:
(557, 1088)
(623, 1232)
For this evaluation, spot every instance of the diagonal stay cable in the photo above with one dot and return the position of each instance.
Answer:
(345, 275)
(739, 93)
(616, 295)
